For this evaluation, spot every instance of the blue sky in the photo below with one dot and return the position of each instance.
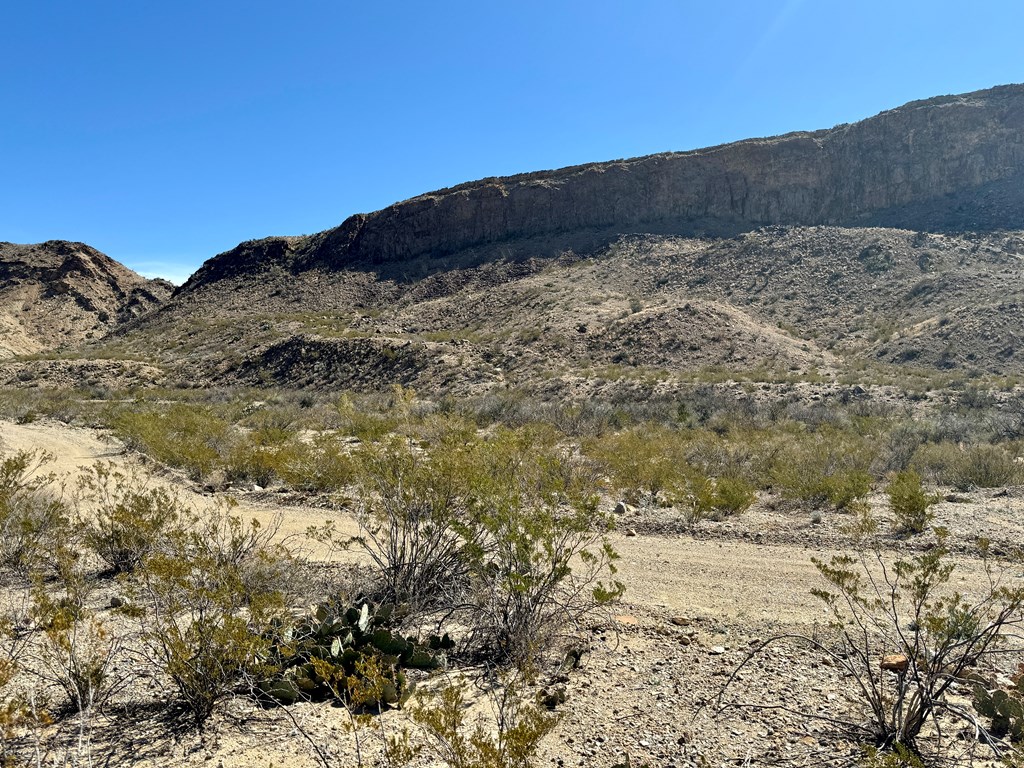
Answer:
(163, 133)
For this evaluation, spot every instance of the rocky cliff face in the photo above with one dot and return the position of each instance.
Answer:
(58, 294)
(948, 163)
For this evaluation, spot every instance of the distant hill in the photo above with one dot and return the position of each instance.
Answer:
(60, 294)
(887, 250)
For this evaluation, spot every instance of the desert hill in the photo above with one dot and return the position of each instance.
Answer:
(641, 315)
(881, 250)
(58, 294)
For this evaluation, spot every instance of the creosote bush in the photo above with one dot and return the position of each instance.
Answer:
(505, 528)
(545, 562)
(903, 636)
(184, 435)
(824, 467)
(910, 504)
(519, 727)
(33, 516)
(77, 649)
(124, 519)
(210, 597)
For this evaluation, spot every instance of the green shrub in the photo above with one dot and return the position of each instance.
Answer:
(320, 465)
(544, 559)
(910, 504)
(984, 466)
(124, 520)
(903, 636)
(825, 467)
(642, 461)
(77, 650)
(211, 596)
(732, 495)
(511, 741)
(361, 423)
(416, 524)
(184, 435)
(33, 517)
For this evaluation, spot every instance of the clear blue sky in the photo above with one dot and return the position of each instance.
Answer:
(165, 132)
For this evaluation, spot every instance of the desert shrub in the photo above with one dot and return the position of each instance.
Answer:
(692, 494)
(511, 742)
(33, 515)
(540, 570)
(414, 515)
(362, 422)
(124, 518)
(900, 444)
(77, 650)
(322, 464)
(983, 466)
(910, 504)
(935, 461)
(642, 461)
(732, 495)
(193, 437)
(211, 596)
(903, 637)
(257, 457)
(15, 711)
(505, 528)
(824, 467)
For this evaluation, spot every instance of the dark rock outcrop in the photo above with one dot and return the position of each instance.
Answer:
(948, 163)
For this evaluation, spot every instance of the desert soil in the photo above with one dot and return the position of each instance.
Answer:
(645, 693)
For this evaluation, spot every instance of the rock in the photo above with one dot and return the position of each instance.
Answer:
(622, 508)
(630, 532)
(552, 697)
(681, 621)
(716, 650)
(895, 662)
(117, 602)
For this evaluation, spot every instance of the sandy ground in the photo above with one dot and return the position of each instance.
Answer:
(692, 608)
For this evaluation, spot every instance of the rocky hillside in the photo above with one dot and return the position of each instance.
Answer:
(59, 294)
(887, 250)
(640, 316)
(948, 163)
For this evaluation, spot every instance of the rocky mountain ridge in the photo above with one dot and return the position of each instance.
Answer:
(60, 294)
(947, 163)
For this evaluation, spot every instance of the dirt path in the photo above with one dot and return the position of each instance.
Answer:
(75, 448)
(730, 580)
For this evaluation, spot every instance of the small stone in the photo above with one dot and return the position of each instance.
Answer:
(716, 650)
(895, 662)
(681, 621)
(630, 532)
(117, 602)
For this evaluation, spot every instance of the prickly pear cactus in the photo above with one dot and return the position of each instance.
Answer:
(1004, 707)
(352, 654)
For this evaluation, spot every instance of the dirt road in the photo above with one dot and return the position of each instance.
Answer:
(731, 580)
